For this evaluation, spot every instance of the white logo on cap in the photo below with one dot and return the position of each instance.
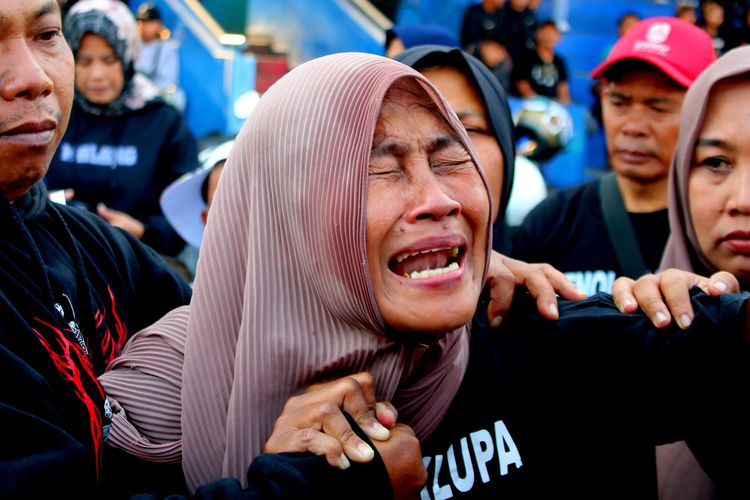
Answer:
(658, 32)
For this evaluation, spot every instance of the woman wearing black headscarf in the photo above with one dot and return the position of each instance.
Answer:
(482, 106)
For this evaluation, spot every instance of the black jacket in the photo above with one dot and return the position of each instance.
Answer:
(126, 162)
(573, 408)
(72, 291)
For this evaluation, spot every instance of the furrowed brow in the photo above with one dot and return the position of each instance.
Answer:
(444, 141)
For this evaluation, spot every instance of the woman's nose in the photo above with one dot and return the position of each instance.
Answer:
(432, 200)
(739, 201)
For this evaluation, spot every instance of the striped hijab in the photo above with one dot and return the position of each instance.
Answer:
(282, 297)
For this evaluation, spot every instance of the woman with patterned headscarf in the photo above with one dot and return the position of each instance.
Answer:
(124, 144)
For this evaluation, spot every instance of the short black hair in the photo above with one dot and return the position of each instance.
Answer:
(546, 23)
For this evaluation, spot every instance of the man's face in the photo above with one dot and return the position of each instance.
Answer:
(149, 29)
(36, 91)
(641, 112)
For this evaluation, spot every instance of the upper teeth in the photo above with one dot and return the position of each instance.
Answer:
(406, 255)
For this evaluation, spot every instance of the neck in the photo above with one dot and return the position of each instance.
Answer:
(643, 197)
(545, 53)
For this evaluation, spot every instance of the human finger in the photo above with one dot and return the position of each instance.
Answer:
(723, 282)
(622, 295)
(354, 394)
(308, 440)
(502, 284)
(675, 288)
(647, 294)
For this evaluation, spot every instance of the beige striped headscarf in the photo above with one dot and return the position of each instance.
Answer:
(282, 297)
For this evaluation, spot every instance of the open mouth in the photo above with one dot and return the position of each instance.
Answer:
(427, 263)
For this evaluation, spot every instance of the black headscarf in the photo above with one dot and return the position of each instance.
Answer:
(496, 102)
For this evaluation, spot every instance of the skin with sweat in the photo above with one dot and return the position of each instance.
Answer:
(427, 216)
(36, 87)
(641, 114)
(468, 105)
(719, 181)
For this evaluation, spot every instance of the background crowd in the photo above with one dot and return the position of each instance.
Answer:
(106, 194)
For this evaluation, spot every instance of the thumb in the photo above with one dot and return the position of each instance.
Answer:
(103, 211)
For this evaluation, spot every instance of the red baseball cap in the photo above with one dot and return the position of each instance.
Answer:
(679, 49)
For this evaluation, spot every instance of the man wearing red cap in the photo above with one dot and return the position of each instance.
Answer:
(618, 225)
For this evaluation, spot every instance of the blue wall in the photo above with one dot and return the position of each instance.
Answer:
(211, 83)
(308, 29)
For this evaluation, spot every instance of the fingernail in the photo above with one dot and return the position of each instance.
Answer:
(379, 432)
(626, 303)
(684, 321)
(660, 318)
(720, 285)
(496, 321)
(365, 451)
(552, 310)
(343, 462)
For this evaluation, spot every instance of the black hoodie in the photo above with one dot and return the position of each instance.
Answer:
(72, 291)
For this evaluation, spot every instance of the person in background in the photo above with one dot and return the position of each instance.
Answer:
(400, 38)
(624, 23)
(618, 225)
(482, 36)
(187, 201)
(712, 22)
(743, 37)
(543, 72)
(124, 144)
(709, 212)
(685, 10)
(160, 57)
(73, 289)
(518, 26)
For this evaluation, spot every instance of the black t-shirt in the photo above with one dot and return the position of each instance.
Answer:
(543, 76)
(479, 25)
(568, 231)
(573, 408)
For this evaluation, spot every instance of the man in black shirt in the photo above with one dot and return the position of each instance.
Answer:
(73, 289)
(595, 238)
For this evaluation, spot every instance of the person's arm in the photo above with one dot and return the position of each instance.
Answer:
(300, 475)
(563, 92)
(523, 87)
(663, 384)
(563, 87)
(39, 458)
(542, 281)
(168, 66)
(318, 422)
